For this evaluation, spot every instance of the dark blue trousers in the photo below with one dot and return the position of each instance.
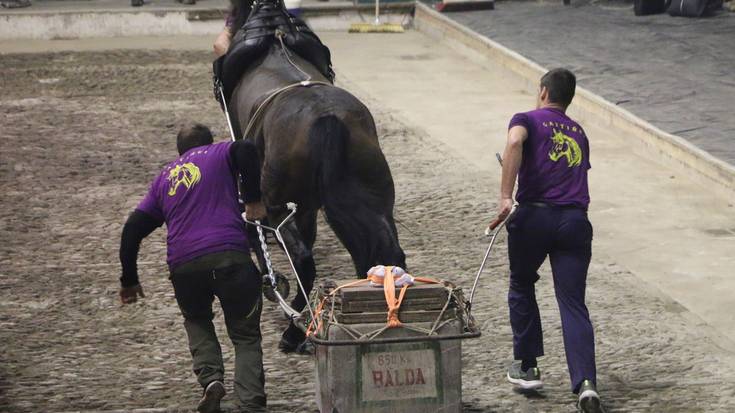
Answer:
(563, 234)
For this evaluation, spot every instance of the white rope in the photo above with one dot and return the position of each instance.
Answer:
(280, 35)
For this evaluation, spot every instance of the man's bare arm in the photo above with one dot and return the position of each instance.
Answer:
(512, 157)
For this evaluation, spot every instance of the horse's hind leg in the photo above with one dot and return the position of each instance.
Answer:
(369, 234)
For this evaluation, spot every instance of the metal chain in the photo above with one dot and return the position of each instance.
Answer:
(266, 254)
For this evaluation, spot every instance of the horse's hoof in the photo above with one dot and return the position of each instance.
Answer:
(287, 347)
(291, 339)
(306, 348)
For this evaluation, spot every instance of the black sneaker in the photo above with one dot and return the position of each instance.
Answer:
(214, 392)
(526, 380)
(136, 3)
(589, 400)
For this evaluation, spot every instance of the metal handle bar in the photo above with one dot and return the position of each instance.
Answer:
(290, 311)
(291, 206)
(493, 228)
(495, 225)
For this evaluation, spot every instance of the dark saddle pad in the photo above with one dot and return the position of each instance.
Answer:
(255, 38)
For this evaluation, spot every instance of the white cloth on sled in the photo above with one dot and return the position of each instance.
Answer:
(400, 276)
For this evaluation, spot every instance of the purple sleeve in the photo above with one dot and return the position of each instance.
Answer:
(229, 20)
(520, 119)
(150, 203)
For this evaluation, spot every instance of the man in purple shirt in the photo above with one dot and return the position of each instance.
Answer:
(196, 197)
(549, 153)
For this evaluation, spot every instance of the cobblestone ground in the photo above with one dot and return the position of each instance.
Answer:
(82, 134)
(670, 71)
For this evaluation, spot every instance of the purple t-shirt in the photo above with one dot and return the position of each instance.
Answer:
(196, 195)
(556, 157)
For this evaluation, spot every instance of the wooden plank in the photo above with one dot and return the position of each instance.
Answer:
(404, 316)
(367, 293)
(409, 304)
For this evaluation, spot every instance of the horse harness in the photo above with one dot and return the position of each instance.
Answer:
(268, 23)
(304, 83)
(273, 95)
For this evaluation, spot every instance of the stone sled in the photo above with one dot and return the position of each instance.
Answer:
(364, 366)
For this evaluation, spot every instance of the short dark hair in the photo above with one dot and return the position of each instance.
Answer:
(560, 84)
(191, 136)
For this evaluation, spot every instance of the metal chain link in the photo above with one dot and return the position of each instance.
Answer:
(266, 254)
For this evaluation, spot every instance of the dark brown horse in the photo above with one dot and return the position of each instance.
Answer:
(319, 148)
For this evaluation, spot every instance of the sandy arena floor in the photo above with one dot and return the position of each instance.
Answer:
(82, 135)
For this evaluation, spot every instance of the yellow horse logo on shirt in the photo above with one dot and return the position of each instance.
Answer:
(564, 146)
(187, 174)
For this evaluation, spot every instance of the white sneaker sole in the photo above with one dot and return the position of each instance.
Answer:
(211, 400)
(589, 402)
(526, 384)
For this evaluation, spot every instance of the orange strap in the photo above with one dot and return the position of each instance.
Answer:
(389, 289)
(320, 307)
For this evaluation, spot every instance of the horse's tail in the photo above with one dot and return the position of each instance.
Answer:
(328, 140)
(360, 214)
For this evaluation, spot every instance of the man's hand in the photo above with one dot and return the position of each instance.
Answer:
(130, 295)
(506, 205)
(255, 211)
(222, 42)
